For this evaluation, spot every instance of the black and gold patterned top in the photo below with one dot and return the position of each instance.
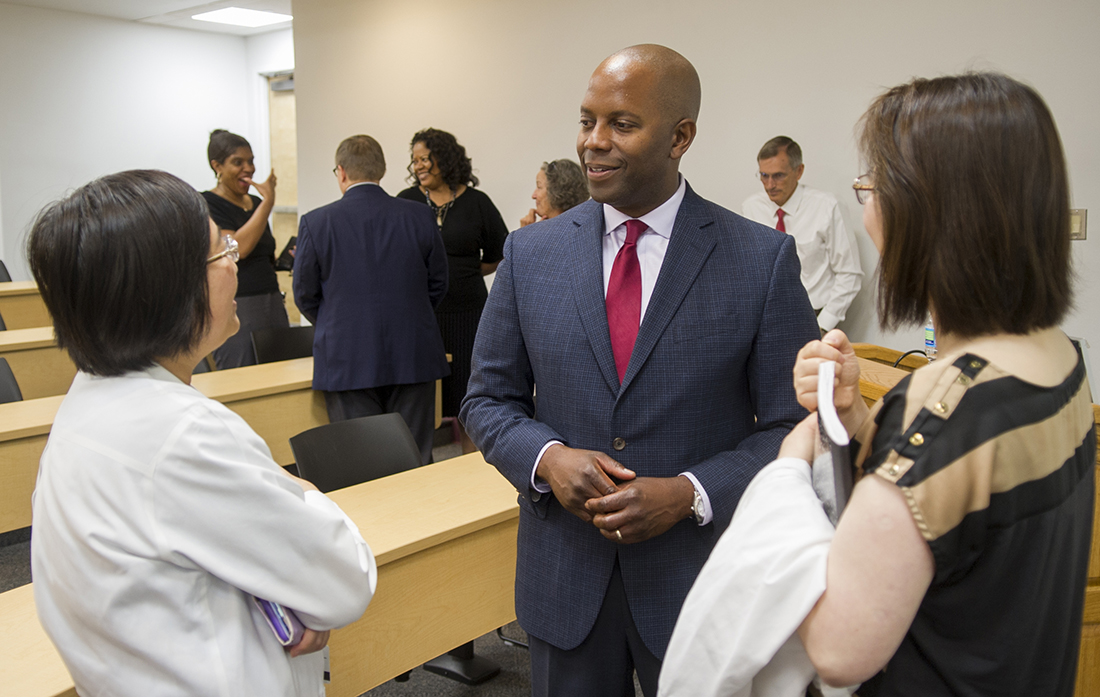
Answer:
(999, 476)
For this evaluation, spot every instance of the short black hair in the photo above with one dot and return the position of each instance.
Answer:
(971, 187)
(780, 144)
(223, 144)
(448, 155)
(121, 265)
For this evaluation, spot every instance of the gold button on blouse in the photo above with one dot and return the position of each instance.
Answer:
(975, 364)
(940, 408)
(916, 439)
(963, 380)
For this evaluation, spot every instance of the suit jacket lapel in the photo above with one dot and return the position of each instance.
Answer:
(691, 243)
(588, 291)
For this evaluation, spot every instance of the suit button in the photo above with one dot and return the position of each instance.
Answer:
(618, 444)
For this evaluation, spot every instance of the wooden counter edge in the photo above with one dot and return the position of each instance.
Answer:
(24, 339)
(9, 288)
(33, 417)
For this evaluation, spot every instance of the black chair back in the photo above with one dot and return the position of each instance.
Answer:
(202, 367)
(9, 388)
(351, 452)
(4, 275)
(3, 327)
(282, 343)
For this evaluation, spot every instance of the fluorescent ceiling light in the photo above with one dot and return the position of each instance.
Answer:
(242, 18)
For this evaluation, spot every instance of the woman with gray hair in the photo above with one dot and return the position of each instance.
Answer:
(559, 185)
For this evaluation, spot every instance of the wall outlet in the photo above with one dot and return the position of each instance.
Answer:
(1078, 217)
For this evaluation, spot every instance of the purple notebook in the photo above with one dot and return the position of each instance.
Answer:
(284, 623)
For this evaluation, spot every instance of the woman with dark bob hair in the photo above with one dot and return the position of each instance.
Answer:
(964, 550)
(158, 513)
(559, 185)
(244, 217)
(473, 233)
(959, 565)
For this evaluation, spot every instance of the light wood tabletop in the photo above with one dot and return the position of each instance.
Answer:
(21, 305)
(40, 368)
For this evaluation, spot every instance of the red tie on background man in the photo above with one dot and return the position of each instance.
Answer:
(624, 297)
(780, 225)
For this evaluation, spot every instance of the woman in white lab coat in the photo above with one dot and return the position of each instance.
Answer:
(159, 513)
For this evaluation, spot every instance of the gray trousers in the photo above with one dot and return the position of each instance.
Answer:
(255, 312)
(415, 403)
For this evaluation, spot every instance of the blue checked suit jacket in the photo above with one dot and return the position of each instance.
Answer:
(707, 390)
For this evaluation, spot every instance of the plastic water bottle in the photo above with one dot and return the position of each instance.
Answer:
(930, 340)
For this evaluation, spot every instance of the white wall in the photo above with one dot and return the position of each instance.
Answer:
(83, 96)
(507, 78)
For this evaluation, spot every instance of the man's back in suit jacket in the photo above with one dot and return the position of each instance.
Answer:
(368, 272)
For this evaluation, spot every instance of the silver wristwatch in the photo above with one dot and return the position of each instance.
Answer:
(698, 508)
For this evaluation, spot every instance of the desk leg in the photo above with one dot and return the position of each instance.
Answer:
(462, 665)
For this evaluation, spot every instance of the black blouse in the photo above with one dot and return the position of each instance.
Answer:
(256, 272)
(473, 234)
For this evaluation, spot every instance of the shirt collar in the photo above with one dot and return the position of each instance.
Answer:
(661, 219)
(360, 184)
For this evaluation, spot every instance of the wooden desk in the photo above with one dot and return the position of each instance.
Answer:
(21, 305)
(889, 356)
(876, 379)
(40, 368)
(276, 399)
(445, 576)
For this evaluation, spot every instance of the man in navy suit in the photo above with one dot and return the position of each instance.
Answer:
(662, 353)
(368, 272)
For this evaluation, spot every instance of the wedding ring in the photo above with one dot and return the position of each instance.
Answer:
(618, 536)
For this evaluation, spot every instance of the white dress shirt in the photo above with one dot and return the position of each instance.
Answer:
(830, 261)
(157, 513)
(651, 248)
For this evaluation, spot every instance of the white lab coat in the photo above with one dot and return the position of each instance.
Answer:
(737, 632)
(157, 513)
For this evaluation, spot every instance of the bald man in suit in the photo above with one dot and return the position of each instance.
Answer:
(660, 330)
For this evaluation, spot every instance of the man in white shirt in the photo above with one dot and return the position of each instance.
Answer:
(828, 254)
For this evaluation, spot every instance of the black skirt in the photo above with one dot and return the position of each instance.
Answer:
(459, 330)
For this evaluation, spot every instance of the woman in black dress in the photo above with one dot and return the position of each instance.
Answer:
(473, 233)
(244, 217)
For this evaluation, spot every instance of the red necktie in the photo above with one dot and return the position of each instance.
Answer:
(780, 225)
(624, 297)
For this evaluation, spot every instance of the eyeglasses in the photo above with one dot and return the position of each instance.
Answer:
(232, 250)
(778, 177)
(335, 168)
(863, 188)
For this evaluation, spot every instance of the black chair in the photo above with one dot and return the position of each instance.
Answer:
(202, 367)
(282, 343)
(351, 452)
(4, 275)
(3, 327)
(9, 388)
